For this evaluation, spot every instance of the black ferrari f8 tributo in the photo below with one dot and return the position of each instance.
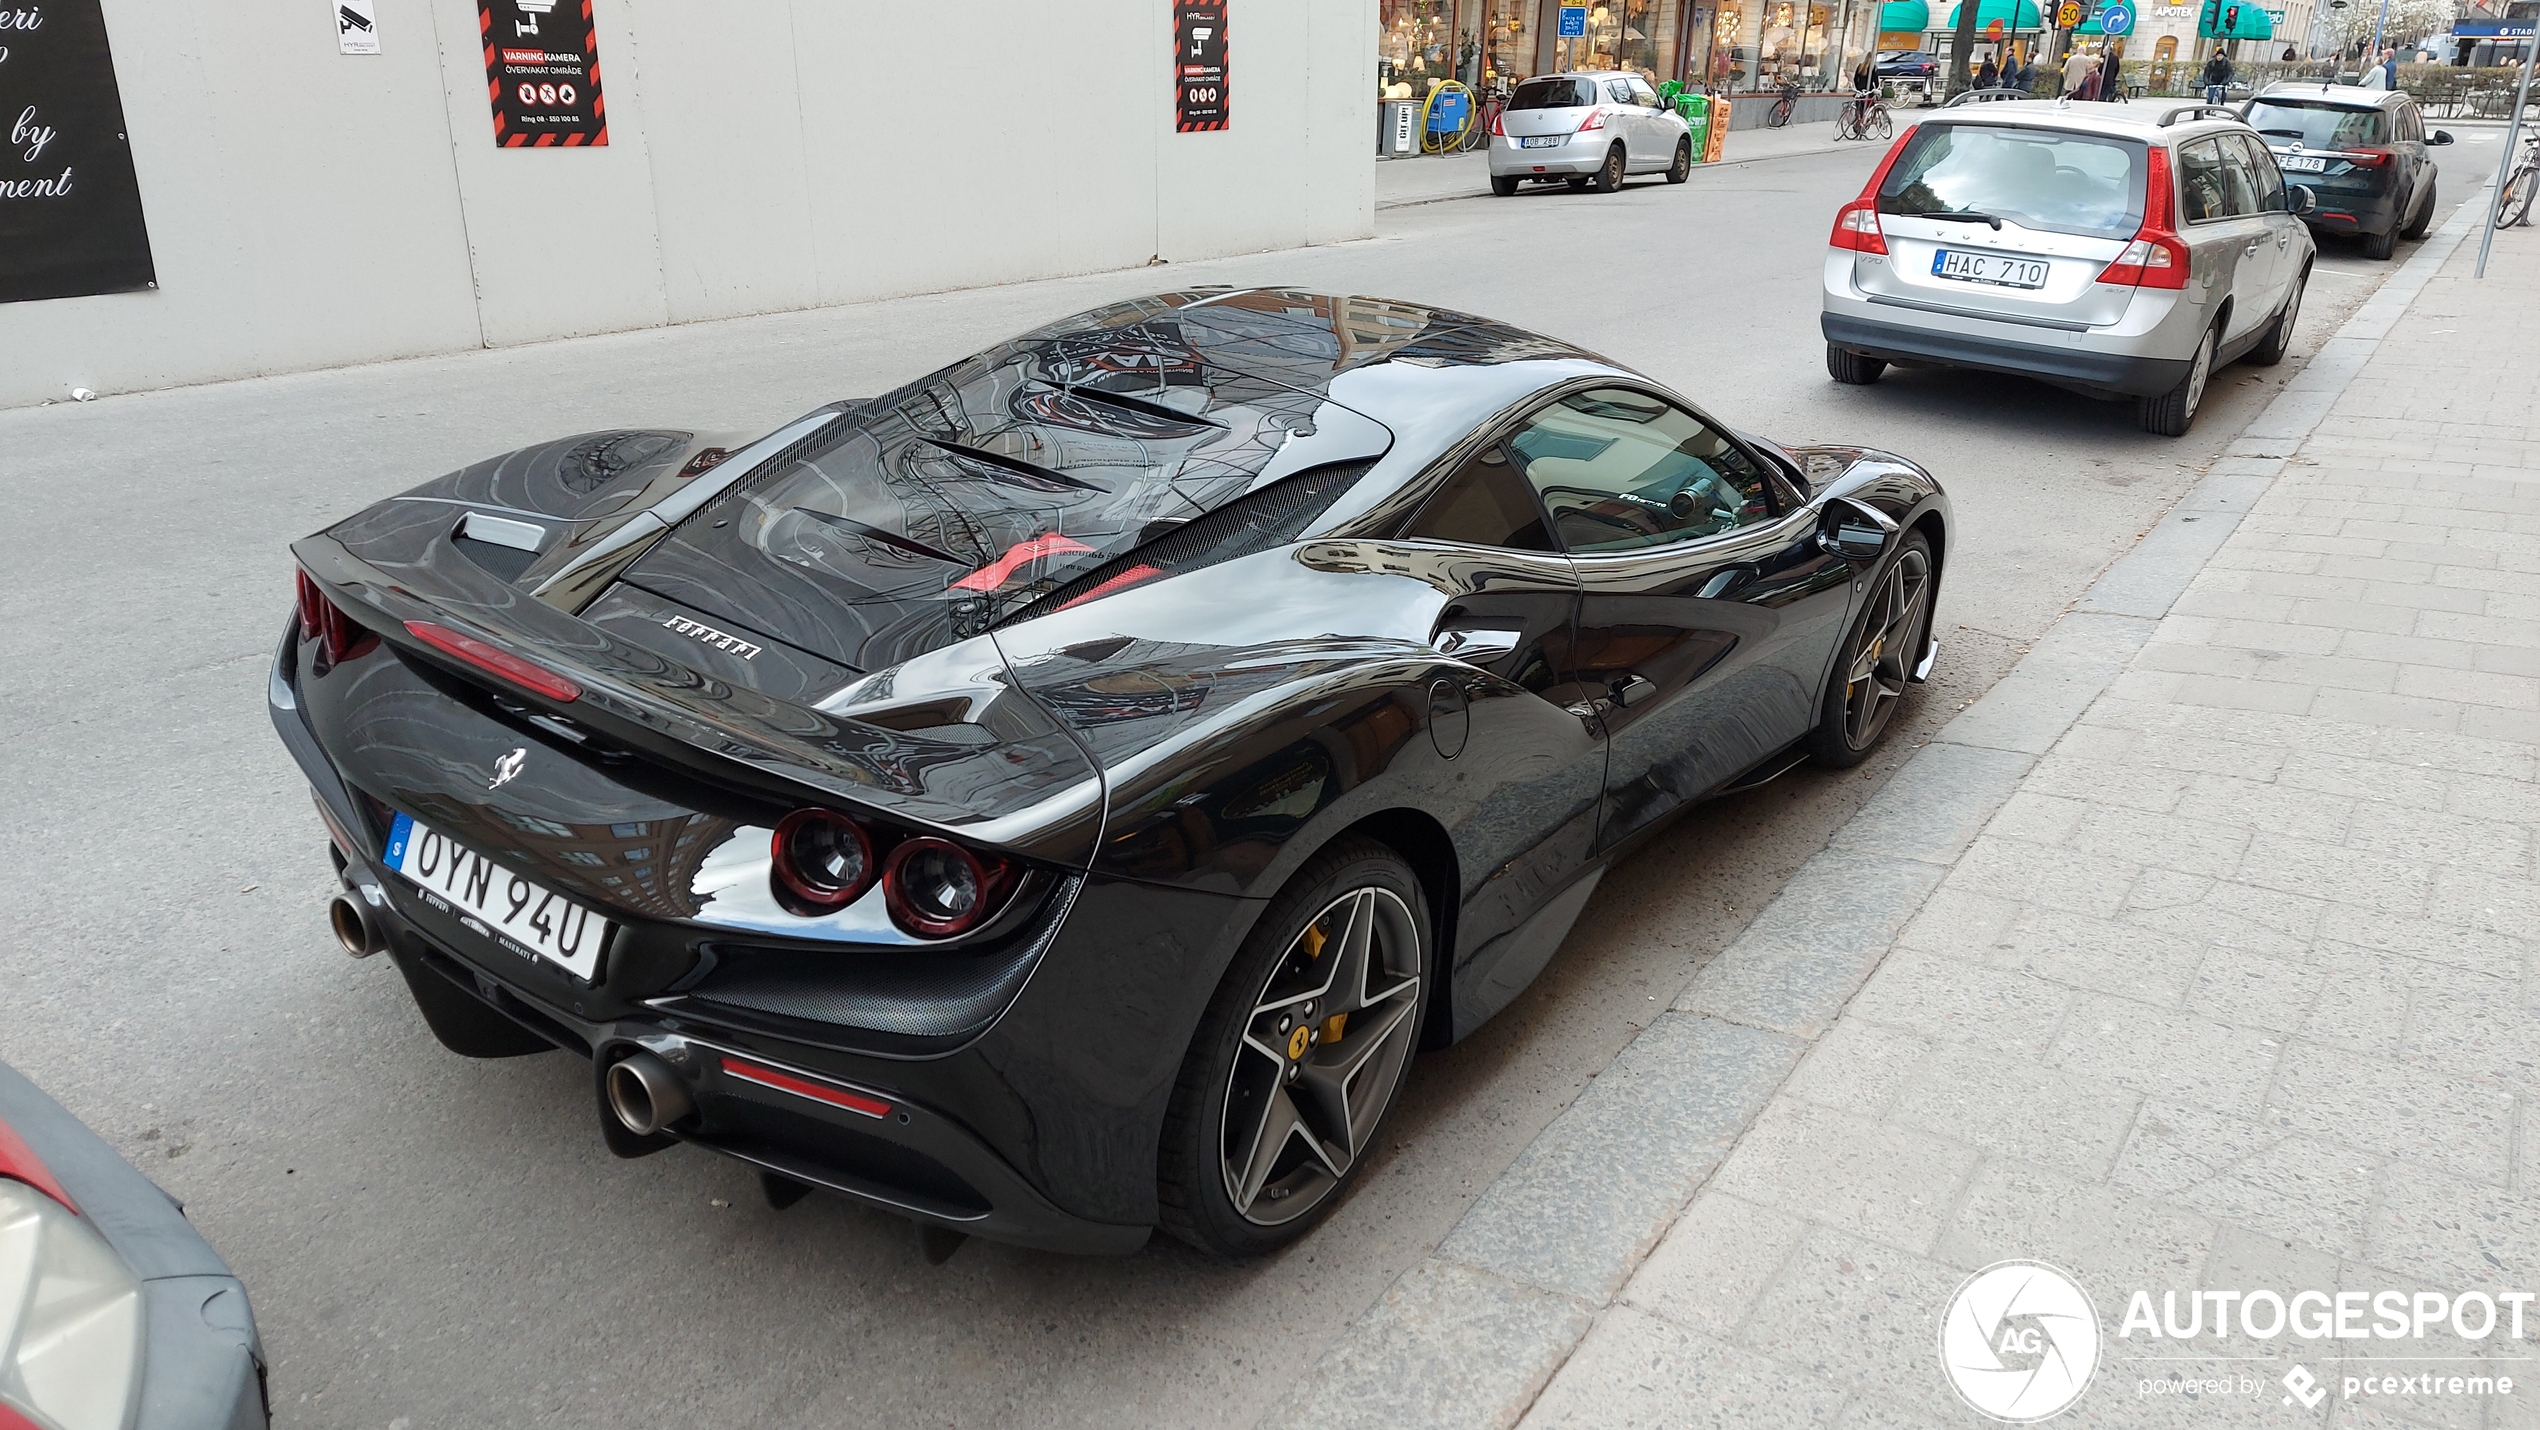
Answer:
(1057, 798)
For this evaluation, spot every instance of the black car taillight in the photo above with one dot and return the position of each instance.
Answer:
(339, 637)
(821, 861)
(936, 889)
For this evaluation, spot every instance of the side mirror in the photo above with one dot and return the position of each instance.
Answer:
(1853, 531)
(2441, 136)
(2305, 202)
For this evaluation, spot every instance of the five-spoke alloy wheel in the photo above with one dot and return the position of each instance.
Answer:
(1872, 669)
(1300, 1056)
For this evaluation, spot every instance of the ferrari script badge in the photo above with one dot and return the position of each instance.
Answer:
(507, 767)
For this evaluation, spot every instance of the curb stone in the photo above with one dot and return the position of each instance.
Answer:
(1472, 1334)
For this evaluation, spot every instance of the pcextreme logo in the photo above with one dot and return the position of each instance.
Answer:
(2019, 1341)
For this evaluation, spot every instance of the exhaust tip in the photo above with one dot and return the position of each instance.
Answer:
(352, 927)
(646, 1095)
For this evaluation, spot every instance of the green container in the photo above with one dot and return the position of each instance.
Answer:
(1696, 108)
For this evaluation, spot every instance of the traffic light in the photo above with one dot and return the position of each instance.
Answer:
(2209, 22)
(2231, 19)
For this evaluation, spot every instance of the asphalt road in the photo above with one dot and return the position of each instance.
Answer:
(435, 1242)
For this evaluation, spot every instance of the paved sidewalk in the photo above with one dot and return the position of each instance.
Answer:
(2198, 954)
(1430, 178)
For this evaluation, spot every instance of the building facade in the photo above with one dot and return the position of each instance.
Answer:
(319, 193)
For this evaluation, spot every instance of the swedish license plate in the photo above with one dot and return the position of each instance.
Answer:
(523, 916)
(1989, 268)
(2301, 163)
(1542, 141)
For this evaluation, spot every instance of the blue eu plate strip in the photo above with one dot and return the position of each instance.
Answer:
(397, 833)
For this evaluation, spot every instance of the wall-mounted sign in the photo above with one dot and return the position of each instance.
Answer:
(542, 73)
(1199, 65)
(70, 209)
(357, 27)
(1573, 22)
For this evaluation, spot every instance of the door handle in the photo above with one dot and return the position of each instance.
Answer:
(1474, 647)
(1632, 691)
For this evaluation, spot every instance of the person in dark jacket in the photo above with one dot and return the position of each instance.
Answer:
(1990, 76)
(2026, 81)
(2217, 77)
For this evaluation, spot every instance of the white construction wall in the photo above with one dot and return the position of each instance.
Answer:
(308, 208)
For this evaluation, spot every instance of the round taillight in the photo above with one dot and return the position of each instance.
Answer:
(822, 860)
(935, 888)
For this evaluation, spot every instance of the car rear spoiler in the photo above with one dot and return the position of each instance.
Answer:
(1027, 787)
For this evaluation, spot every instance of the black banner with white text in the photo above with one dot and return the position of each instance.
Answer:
(1199, 65)
(70, 208)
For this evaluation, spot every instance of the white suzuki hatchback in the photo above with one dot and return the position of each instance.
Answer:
(1587, 129)
(2120, 251)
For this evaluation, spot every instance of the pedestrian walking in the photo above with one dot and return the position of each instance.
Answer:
(2217, 78)
(2080, 72)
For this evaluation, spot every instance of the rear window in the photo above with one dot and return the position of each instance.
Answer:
(2038, 178)
(1554, 94)
(2318, 126)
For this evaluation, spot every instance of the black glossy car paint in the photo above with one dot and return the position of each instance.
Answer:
(1158, 759)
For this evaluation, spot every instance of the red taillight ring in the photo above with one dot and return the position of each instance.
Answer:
(912, 914)
(790, 854)
(494, 660)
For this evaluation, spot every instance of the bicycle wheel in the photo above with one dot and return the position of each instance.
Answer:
(2513, 202)
(1779, 116)
(1882, 126)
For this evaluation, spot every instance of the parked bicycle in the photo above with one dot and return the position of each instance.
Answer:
(2513, 201)
(1779, 114)
(1485, 122)
(1865, 117)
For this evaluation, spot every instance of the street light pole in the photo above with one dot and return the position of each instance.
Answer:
(2505, 166)
(2379, 24)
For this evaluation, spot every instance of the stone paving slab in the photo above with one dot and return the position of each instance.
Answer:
(2197, 954)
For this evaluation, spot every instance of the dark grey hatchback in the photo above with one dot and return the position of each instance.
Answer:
(2364, 152)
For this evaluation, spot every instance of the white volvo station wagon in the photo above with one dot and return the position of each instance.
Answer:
(2120, 251)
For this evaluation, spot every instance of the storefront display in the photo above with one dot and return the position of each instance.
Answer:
(1417, 45)
(1508, 42)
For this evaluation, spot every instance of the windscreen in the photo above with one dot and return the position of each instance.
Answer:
(1553, 94)
(2037, 178)
(2318, 126)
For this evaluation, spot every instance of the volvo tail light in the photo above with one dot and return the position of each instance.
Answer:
(338, 636)
(1856, 227)
(936, 889)
(2157, 258)
(822, 861)
(1595, 120)
(494, 660)
(1856, 224)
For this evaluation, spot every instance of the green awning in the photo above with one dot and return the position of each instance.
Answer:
(1990, 12)
(2089, 27)
(1904, 17)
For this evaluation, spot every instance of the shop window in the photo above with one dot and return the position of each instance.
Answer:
(1508, 42)
(2164, 57)
(1415, 45)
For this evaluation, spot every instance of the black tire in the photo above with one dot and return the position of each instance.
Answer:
(1876, 661)
(2425, 215)
(1682, 169)
(1886, 126)
(2174, 411)
(2513, 201)
(1844, 365)
(1503, 184)
(2382, 244)
(463, 1022)
(1609, 175)
(1235, 1087)
(2279, 339)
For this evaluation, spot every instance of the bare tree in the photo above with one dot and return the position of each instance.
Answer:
(1962, 44)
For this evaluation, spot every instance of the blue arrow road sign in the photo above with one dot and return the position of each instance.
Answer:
(1573, 22)
(2116, 18)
